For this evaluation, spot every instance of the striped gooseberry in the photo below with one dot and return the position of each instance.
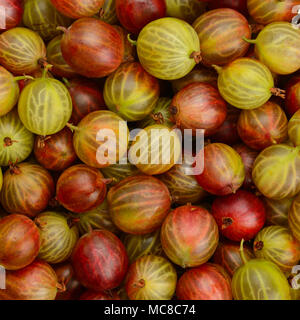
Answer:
(225, 26)
(58, 236)
(45, 106)
(22, 51)
(168, 48)
(16, 141)
(277, 47)
(246, 83)
(276, 172)
(189, 236)
(129, 204)
(151, 278)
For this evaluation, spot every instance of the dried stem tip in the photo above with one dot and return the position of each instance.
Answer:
(13, 167)
(41, 141)
(173, 110)
(101, 13)
(140, 284)
(226, 222)
(258, 245)
(196, 56)
(158, 118)
(278, 92)
(8, 142)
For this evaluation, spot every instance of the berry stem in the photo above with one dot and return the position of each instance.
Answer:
(67, 82)
(252, 41)
(242, 252)
(46, 69)
(72, 127)
(63, 29)
(217, 68)
(23, 78)
(133, 42)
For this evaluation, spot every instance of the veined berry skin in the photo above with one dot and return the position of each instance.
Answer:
(235, 83)
(164, 56)
(129, 204)
(189, 236)
(260, 279)
(151, 278)
(21, 50)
